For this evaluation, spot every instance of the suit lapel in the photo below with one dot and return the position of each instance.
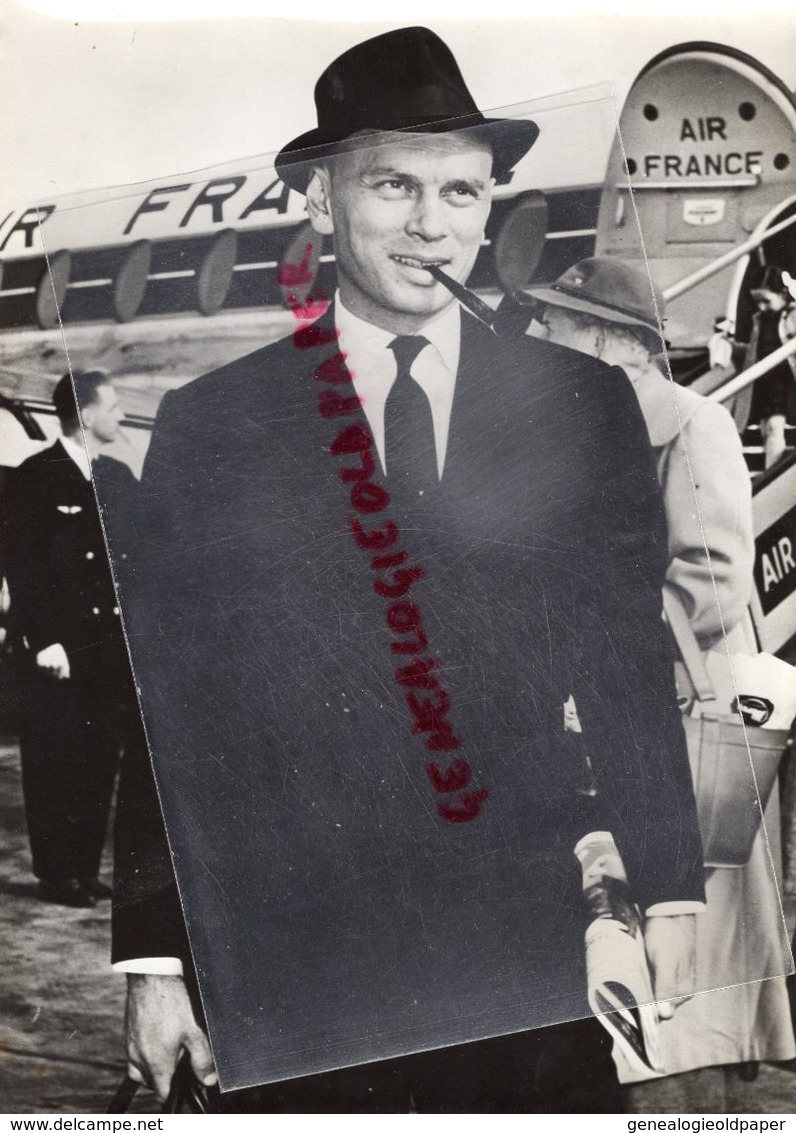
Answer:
(474, 415)
(328, 362)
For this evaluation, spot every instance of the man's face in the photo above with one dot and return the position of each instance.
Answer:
(396, 206)
(103, 416)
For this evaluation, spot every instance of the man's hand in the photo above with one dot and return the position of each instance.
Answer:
(160, 1025)
(53, 660)
(671, 951)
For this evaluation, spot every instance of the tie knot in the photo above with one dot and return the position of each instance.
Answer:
(406, 349)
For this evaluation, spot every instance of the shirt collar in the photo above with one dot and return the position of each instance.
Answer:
(444, 332)
(373, 369)
(77, 451)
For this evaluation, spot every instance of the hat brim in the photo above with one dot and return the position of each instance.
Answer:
(554, 298)
(510, 139)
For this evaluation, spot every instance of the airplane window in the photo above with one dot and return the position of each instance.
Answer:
(650, 112)
(781, 161)
(747, 111)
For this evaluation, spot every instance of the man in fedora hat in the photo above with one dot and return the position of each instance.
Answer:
(375, 554)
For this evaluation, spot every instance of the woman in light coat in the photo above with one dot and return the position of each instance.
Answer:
(609, 309)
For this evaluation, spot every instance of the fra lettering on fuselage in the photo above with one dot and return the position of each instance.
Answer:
(212, 196)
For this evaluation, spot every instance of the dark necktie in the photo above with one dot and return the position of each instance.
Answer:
(409, 446)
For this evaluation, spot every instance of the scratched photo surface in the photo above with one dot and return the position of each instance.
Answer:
(382, 716)
(364, 691)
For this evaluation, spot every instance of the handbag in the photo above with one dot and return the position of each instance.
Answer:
(733, 763)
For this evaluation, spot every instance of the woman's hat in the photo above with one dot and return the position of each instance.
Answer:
(609, 289)
(403, 80)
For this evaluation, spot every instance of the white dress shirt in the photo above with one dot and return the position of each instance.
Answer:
(77, 451)
(374, 368)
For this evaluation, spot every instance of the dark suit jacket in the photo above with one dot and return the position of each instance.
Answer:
(57, 565)
(333, 915)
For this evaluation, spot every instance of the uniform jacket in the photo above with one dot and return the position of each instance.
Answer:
(57, 566)
(708, 499)
(316, 698)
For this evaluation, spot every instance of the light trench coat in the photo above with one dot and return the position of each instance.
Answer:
(708, 499)
(707, 495)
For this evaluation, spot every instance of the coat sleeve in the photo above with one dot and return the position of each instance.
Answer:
(620, 656)
(147, 914)
(708, 499)
(36, 611)
(165, 566)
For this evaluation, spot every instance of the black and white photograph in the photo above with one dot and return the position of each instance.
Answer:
(397, 536)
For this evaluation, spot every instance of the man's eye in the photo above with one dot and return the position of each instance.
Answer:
(393, 187)
(462, 194)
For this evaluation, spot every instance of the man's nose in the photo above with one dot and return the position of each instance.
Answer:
(428, 219)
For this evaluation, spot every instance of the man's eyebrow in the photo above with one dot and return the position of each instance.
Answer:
(455, 183)
(386, 171)
(465, 183)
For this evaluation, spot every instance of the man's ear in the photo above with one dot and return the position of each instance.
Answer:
(319, 207)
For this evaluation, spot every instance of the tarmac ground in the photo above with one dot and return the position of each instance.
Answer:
(62, 1007)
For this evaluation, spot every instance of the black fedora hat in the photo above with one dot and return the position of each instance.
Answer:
(406, 79)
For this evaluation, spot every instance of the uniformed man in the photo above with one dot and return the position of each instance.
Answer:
(76, 692)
